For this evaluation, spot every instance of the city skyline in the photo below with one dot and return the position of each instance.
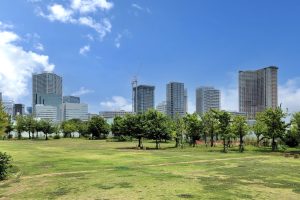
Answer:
(206, 46)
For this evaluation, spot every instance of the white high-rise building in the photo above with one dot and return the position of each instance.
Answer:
(162, 107)
(175, 99)
(46, 112)
(207, 98)
(74, 111)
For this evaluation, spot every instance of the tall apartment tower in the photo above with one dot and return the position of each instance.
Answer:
(207, 98)
(185, 101)
(175, 99)
(162, 107)
(258, 90)
(143, 98)
(46, 90)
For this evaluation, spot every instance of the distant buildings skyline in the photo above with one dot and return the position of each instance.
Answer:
(175, 99)
(143, 98)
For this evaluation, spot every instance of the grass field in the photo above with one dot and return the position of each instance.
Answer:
(85, 169)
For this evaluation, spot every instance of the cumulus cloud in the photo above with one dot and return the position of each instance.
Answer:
(83, 50)
(17, 65)
(116, 103)
(86, 6)
(82, 91)
(76, 13)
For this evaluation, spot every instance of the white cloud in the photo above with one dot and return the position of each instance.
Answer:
(57, 12)
(140, 8)
(87, 6)
(289, 95)
(82, 91)
(116, 103)
(134, 5)
(4, 26)
(90, 37)
(102, 28)
(118, 40)
(17, 65)
(76, 13)
(39, 46)
(83, 50)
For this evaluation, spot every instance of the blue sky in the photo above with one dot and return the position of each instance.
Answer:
(99, 45)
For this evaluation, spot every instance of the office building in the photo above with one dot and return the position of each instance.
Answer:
(46, 112)
(185, 101)
(143, 98)
(258, 90)
(71, 99)
(74, 111)
(162, 107)
(113, 114)
(207, 98)
(29, 110)
(175, 99)
(19, 109)
(46, 90)
(8, 107)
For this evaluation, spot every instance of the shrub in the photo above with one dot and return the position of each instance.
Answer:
(56, 137)
(4, 165)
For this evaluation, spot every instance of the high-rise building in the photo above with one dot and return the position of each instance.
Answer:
(113, 114)
(185, 101)
(8, 107)
(29, 110)
(71, 99)
(46, 112)
(74, 111)
(143, 98)
(162, 107)
(207, 98)
(46, 90)
(258, 90)
(19, 109)
(175, 99)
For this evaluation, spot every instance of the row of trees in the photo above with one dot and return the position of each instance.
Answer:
(213, 126)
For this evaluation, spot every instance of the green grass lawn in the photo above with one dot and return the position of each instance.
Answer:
(85, 169)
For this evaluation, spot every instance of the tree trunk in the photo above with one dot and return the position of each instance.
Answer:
(224, 145)
(257, 142)
(46, 136)
(205, 140)
(241, 144)
(140, 142)
(156, 143)
(29, 133)
(19, 135)
(211, 140)
(273, 144)
(176, 142)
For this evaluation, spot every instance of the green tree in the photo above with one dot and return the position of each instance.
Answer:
(259, 129)
(292, 137)
(224, 119)
(194, 127)
(98, 127)
(83, 129)
(117, 127)
(46, 127)
(156, 126)
(20, 126)
(68, 128)
(5, 164)
(30, 125)
(178, 127)
(134, 126)
(3, 120)
(273, 118)
(240, 129)
(211, 125)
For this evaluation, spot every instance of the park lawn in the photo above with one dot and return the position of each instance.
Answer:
(87, 169)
